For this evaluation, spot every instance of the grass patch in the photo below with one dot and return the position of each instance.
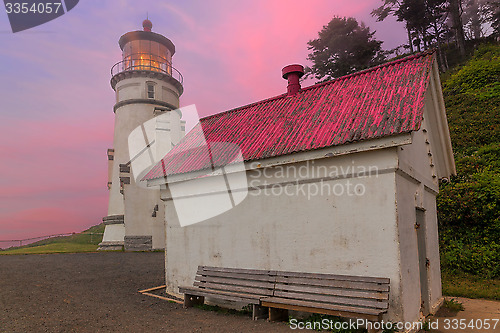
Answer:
(80, 238)
(52, 248)
(470, 286)
(81, 242)
(453, 305)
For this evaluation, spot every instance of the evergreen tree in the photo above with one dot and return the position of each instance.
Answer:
(343, 46)
(455, 10)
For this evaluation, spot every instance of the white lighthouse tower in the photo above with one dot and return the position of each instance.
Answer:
(146, 86)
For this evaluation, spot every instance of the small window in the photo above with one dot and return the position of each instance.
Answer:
(151, 90)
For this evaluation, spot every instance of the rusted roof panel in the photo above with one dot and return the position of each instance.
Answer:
(378, 102)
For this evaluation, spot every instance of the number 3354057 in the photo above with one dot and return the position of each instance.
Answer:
(40, 8)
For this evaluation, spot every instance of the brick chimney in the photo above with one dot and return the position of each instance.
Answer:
(293, 73)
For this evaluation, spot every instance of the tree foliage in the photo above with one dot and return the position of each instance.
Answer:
(343, 46)
(430, 23)
(425, 18)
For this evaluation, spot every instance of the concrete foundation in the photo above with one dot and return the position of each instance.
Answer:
(138, 243)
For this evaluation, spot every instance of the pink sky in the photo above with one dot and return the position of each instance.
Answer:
(56, 103)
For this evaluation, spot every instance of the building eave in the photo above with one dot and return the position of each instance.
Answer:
(438, 123)
(329, 152)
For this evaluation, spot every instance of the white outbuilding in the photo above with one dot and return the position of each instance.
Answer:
(340, 177)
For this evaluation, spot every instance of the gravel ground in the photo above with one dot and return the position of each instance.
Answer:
(97, 292)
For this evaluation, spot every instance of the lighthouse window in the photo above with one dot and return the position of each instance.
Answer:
(151, 90)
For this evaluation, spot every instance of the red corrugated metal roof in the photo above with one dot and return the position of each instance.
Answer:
(378, 102)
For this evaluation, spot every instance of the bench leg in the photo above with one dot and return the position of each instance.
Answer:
(192, 300)
(259, 312)
(373, 330)
(276, 314)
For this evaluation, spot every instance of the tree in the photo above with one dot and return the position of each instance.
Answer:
(343, 47)
(478, 17)
(389, 8)
(426, 18)
(472, 20)
(414, 13)
(491, 11)
(455, 10)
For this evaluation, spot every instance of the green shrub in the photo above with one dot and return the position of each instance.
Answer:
(469, 204)
(469, 215)
(480, 73)
(472, 98)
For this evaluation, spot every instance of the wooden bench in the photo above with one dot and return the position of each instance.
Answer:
(273, 293)
(338, 295)
(232, 284)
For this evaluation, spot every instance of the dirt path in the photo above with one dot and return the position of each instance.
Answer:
(476, 314)
(97, 292)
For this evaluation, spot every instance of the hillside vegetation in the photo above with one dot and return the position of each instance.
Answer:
(86, 241)
(469, 204)
(472, 98)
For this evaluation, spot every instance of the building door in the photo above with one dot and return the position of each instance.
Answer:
(423, 260)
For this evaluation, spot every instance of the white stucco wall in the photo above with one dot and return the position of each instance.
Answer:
(410, 279)
(433, 250)
(417, 186)
(326, 233)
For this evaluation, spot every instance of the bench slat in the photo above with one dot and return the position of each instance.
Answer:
(333, 299)
(237, 297)
(234, 270)
(316, 305)
(235, 282)
(326, 276)
(332, 291)
(242, 276)
(216, 286)
(350, 312)
(335, 283)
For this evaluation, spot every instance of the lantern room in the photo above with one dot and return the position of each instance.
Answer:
(146, 51)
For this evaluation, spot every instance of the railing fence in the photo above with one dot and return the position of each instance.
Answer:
(39, 238)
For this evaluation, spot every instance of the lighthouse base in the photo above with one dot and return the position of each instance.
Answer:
(114, 233)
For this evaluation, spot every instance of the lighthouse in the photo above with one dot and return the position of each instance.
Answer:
(146, 86)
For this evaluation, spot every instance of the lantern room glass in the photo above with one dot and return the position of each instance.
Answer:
(148, 55)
